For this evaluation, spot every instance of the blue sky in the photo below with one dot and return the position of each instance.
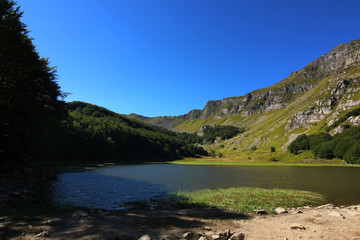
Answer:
(167, 57)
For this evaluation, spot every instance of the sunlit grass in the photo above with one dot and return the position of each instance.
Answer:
(245, 200)
(253, 162)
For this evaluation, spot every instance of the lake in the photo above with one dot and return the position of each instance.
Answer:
(108, 187)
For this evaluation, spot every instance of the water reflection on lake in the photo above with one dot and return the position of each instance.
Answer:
(108, 187)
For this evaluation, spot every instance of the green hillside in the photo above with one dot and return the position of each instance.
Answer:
(315, 99)
(94, 132)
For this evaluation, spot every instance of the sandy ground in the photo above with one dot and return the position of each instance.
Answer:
(311, 223)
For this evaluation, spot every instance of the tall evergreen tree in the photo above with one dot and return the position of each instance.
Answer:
(30, 99)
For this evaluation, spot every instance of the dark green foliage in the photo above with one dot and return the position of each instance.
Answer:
(345, 145)
(220, 155)
(352, 155)
(300, 143)
(97, 133)
(222, 132)
(324, 150)
(30, 108)
(320, 144)
(254, 148)
(272, 149)
(212, 153)
(342, 146)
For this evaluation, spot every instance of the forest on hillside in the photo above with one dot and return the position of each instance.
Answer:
(97, 133)
(37, 124)
(344, 145)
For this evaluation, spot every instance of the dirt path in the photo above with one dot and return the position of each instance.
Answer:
(310, 223)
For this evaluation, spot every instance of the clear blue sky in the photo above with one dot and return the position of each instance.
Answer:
(167, 57)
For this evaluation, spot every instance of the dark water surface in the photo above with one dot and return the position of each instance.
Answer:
(108, 187)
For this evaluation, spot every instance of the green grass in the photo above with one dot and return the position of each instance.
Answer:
(217, 161)
(245, 200)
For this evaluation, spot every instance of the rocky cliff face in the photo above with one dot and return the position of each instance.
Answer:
(319, 92)
(282, 94)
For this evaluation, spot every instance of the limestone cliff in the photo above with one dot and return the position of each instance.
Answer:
(308, 101)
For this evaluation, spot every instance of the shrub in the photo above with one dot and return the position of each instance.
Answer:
(345, 145)
(300, 143)
(352, 155)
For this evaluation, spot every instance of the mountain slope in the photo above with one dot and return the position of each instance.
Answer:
(93, 132)
(308, 101)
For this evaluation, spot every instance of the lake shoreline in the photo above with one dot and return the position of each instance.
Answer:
(216, 161)
(340, 222)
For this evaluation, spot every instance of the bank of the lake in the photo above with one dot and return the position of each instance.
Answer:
(110, 186)
(226, 161)
(223, 208)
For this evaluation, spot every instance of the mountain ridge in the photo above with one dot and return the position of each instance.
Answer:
(307, 101)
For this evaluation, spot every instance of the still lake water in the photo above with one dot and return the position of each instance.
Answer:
(108, 187)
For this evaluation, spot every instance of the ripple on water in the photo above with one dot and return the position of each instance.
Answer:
(90, 189)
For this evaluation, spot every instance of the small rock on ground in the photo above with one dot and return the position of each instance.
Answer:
(237, 236)
(145, 237)
(215, 237)
(44, 234)
(326, 206)
(297, 226)
(80, 213)
(188, 235)
(280, 210)
(261, 212)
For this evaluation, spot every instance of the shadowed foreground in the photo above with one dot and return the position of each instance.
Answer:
(306, 223)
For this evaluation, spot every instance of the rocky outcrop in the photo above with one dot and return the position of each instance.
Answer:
(257, 101)
(355, 121)
(340, 57)
(307, 116)
(281, 95)
(339, 74)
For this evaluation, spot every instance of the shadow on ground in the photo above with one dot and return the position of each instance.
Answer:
(131, 224)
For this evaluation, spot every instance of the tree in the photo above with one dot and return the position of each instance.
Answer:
(300, 143)
(352, 155)
(30, 99)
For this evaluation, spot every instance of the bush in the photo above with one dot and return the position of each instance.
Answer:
(272, 149)
(342, 147)
(300, 143)
(212, 153)
(352, 155)
(345, 145)
(325, 150)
